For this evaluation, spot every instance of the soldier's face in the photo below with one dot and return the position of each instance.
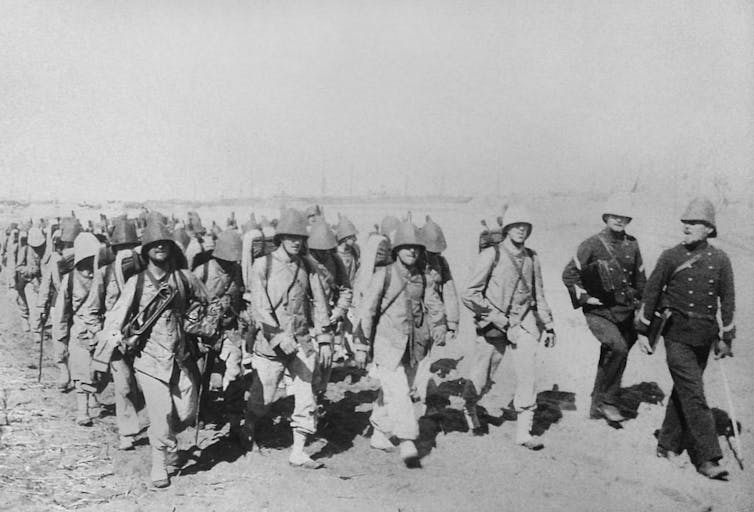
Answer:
(617, 223)
(159, 252)
(518, 233)
(292, 244)
(408, 255)
(695, 231)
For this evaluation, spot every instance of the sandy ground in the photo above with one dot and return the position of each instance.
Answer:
(49, 463)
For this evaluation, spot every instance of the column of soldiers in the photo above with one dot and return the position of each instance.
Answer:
(161, 305)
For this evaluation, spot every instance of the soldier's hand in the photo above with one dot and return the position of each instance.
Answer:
(550, 339)
(289, 344)
(594, 301)
(325, 356)
(499, 320)
(360, 358)
(644, 345)
(723, 349)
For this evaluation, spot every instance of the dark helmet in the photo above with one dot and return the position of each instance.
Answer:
(157, 231)
(433, 236)
(70, 227)
(228, 246)
(124, 232)
(407, 235)
(321, 237)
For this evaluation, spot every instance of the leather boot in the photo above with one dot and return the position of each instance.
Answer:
(298, 457)
(713, 470)
(472, 419)
(380, 441)
(94, 407)
(64, 376)
(172, 462)
(159, 473)
(524, 423)
(82, 410)
(409, 453)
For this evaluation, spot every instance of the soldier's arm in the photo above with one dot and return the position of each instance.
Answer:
(116, 317)
(450, 297)
(370, 303)
(438, 326)
(473, 297)
(641, 276)
(261, 308)
(320, 308)
(543, 308)
(62, 314)
(572, 275)
(45, 291)
(727, 294)
(345, 290)
(654, 287)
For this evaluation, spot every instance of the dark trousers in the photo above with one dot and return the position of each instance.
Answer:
(689, 423)
(616, 339)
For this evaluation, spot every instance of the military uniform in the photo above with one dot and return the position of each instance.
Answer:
(612, 322)
(692, 296)
(28, 272)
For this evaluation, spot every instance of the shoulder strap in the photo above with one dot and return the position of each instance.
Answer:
(205, 272)
(519, 268)
(70, 295)
(494, 264)
(611, 253)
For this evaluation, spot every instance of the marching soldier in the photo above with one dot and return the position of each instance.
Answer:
(288, 301)
(222, 278)
(28, 269)
(348, 249)
(606, 280)
(401, 316)
(49, 282)
(164, 361)
(335, 282)
(506, 296)
(688, 282)
(77, 321)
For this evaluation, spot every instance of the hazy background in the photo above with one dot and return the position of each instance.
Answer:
(200, 100)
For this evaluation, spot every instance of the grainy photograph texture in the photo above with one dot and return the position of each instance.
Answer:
(355, 255)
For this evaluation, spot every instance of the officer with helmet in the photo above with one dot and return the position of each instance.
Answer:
(689, 281)
(605, 278)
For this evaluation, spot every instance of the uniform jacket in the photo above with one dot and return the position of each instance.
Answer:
(438, 272)
(223, 286)
(28, 266)
(505, 287)
(282, 307)
(350, 256)
(335, 282)
(632, 279)
(408, 319)
(50, 283)
(79, 316)
(692, 294)
(158, 355)
(196, 246)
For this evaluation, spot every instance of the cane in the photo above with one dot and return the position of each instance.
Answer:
(732, 413)
(43, 322)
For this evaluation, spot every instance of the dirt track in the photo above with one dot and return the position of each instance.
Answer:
(48, 463)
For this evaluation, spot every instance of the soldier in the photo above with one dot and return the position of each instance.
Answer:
(123, 243)
(506, 296)
(288, 301)
(337, 286)
(28, 269)
(164, 361)
(401, 316)
(222, 278)
(77, 320)
(348, 250)
(49, 283)
(201, 243)
(438, 270)
(688, 281)
(606, 280)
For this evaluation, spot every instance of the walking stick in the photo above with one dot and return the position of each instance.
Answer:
(43, 322)
(738, 453)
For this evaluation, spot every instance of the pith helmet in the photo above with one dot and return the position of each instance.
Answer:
(389, 224)
(701, 209)
(620, 205)
(124, 232)
(407, 234)
(195, 223)
(345, 228)
(321, 237)
(181, 237)
(516, 215)
(228, 246)
(85, 246)
(70, 227)
(292, 222)
(36, 237)
(433, 236)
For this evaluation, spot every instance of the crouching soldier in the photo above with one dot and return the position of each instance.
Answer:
(506, 296)
(401, 316)
(288, 301)
(78, 319)
(687, 284)
(150, 310)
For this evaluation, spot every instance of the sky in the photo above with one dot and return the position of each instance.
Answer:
(186, 99)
